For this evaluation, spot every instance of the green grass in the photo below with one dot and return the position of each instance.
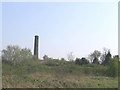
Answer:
(32, 74)
(45, 80)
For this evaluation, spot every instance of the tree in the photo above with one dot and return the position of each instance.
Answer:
(103, 55)
(62, 59)
(95, 55)
(81, 61)
(70, 56)
(113, 66)
(84, 61)
(78, 61)
(25, 53)
(95, 61)
(10, 54)
(45, 57)
(107, 58)
(14, 54)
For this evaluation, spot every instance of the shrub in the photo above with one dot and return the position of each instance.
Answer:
(82, 61)
(113, 67)
(78, 61)
(51, 63)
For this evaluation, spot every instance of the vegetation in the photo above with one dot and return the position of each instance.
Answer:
(14, 54)
(82, 61)
(94, 56)
(20, 69)
(113, 66)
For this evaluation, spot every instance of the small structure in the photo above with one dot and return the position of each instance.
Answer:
(36, 46)
(42, 61)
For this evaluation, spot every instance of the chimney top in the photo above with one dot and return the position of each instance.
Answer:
(36, 36)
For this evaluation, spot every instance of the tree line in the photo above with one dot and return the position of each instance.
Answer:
(14, 55)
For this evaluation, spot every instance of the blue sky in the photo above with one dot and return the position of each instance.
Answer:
(63, 27)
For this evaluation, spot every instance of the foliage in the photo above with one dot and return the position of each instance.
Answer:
(55, 72)
(14, 54)
(78, 61)
(107, 59)
(51, 63)
(103, 55)
(95, 54)
(95, 61)
(82, 61)
(113, 67)
(45, 57)
(63, 59)
(31, 72)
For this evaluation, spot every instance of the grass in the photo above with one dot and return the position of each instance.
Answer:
(45, 80)
(32, 74)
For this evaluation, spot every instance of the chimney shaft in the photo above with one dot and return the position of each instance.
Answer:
(36, 46)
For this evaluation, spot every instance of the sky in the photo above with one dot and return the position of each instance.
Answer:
(62, 27)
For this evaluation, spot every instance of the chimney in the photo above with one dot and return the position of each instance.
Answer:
(36, 46)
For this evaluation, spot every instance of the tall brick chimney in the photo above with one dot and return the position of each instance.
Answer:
(36, 46)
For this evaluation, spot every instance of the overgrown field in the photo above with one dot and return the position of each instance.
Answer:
(33, 74)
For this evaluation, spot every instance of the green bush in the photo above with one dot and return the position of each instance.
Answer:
(51, 63)
(78, 61)
(94, 69)
(82, 61)
(113, 67)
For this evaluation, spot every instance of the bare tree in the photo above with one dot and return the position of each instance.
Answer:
(70, 56)
(103, 55)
